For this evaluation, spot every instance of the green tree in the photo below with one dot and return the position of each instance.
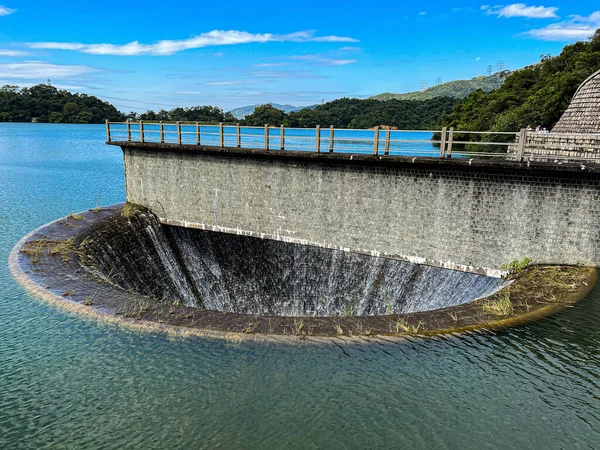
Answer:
(356, 113)
(265, 114)
(70, 111)
(148, 115)
(55, 117)
(229, 118)
(204, 114)
(45, 103)
(84, 117)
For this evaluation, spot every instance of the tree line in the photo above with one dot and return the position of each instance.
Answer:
(357, 113)
(205, 114)
(45, 103)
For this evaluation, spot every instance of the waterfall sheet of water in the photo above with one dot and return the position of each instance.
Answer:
(241, 274)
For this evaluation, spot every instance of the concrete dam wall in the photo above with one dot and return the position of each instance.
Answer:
(471, 215)
(240, 274)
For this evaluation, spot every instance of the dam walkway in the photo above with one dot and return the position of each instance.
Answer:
(525, 145)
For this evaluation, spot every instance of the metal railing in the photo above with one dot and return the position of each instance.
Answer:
(444, 143)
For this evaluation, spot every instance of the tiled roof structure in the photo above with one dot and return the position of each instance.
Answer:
(583, 114)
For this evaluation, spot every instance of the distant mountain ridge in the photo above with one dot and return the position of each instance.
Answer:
(456, 89)
(240, 113)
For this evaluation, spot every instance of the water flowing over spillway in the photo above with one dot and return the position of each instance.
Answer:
(231, 273)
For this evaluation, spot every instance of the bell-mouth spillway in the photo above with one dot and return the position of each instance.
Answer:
(220, 237)
(127, 267)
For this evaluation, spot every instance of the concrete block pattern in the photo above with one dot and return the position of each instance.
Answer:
(462, 217)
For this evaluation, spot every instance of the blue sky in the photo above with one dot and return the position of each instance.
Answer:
(152, 55)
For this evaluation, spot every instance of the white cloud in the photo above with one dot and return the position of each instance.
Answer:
(57, 45)
(219, 54)
(170, 47)
(422, 13)
(309, 38)
(189, 93)
(278, 64)
(478, 58)
(324, 60)
(29, 70)
(349, 49)
(577, 28)
(270, 74)
(231, 83)
(4, 11)
(13, 53)
(522, 10)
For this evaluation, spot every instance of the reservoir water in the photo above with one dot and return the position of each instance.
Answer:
(67, 382)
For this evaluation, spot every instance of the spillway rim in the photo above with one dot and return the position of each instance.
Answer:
(45, 284)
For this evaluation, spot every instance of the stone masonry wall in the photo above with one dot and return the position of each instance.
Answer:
(449, 213)
(550, 146)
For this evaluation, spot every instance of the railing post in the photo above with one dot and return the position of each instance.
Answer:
(387, 140)
(443, 143)
(221, 135)
(376, 141)
(107, 131)
(282, 137)
(521, 146)
(318, 139)
(142, 131)
(161, 128)
(266, 136)
(128, 130)
(238, 134)
(197, 133)
(179, 133)
(449, 143)
(331, 138)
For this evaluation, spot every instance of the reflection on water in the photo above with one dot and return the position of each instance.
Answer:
(70, 383)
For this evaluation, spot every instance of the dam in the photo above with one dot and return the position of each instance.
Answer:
(327, 232)
(540, 200)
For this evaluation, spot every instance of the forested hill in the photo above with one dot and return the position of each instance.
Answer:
(44, 103)
(457, 89)
(535, 95)
(356, 113)
(205, 114)
(240, 113)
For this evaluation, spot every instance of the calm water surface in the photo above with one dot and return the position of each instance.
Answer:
(66, 382)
